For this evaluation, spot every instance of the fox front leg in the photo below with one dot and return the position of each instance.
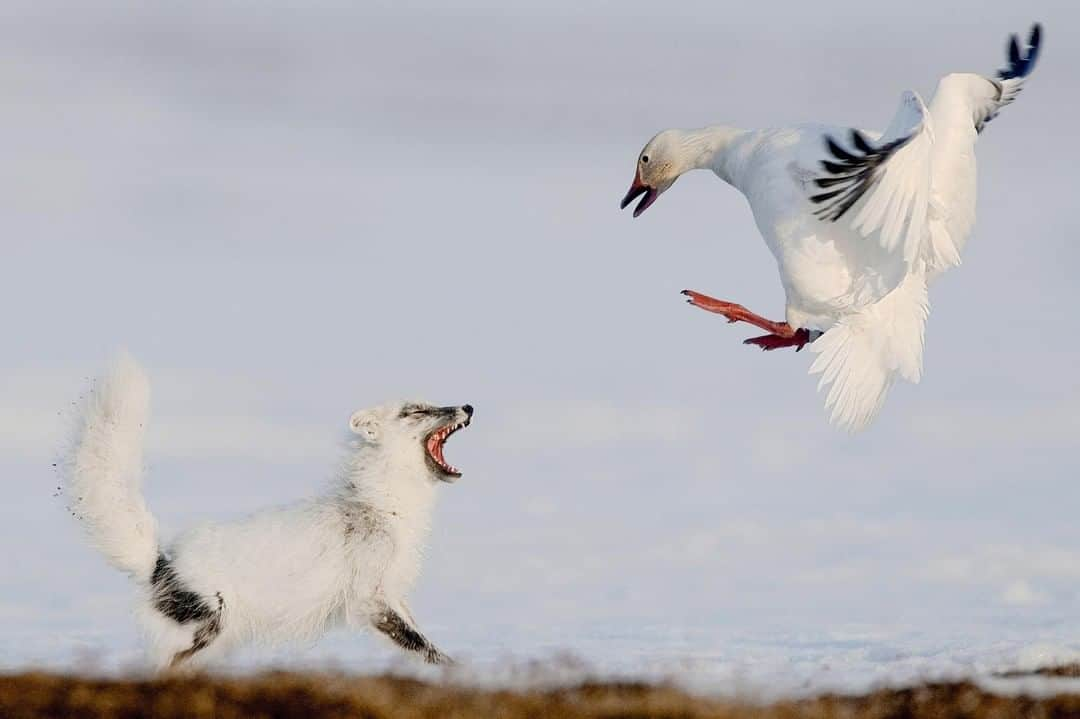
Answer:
(406, 636)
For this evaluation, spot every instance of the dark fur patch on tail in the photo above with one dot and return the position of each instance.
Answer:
(173, 599)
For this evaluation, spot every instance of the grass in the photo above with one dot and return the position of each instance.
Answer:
(1068, 671)
(34, 695)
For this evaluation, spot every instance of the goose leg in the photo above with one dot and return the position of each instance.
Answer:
(738, 313)
(781, 333)
(775, 342)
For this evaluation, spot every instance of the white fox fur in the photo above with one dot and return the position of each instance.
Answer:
(104, 480)
(349, 556)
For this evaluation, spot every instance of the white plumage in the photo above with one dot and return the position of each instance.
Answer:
(860, 223)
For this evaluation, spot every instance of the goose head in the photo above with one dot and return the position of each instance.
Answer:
(660, 163)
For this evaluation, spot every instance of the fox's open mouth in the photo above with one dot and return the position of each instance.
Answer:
(434, 445)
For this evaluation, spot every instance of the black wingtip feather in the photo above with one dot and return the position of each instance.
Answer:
(826, 182)
(1014, 51)
(834, 169)
(1035, 43)
(1021, 63)
(838, 152)
(859, 140)
(826, 195)
(852, 176)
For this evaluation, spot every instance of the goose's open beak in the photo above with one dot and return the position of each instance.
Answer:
(639, 188)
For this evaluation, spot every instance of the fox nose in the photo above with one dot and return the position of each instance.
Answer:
(468, 409)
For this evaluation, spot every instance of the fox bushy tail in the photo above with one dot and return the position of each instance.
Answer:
(103, 472)
(861, 356)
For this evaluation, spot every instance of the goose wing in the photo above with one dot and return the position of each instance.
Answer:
(910, 191)
(882, 188)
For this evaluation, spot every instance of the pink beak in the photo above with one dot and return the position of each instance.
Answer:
(639, 188)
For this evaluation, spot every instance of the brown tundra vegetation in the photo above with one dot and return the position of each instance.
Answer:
(33, 695)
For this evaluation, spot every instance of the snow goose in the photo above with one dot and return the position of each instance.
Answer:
(859, 223)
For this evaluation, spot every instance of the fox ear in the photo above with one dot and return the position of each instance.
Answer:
(366, 424)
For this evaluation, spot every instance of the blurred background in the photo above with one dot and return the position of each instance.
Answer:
(288, 212)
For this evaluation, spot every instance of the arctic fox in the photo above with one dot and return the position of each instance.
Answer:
(347, 557)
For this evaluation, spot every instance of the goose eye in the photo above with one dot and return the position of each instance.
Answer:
(645, 159)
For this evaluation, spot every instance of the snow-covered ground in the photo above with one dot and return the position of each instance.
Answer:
(750, 662)
(270, 209)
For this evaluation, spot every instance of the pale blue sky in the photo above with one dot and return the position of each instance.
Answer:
(287, 214)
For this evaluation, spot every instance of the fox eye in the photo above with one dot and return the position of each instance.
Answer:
(412, 410)
(645, 159)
